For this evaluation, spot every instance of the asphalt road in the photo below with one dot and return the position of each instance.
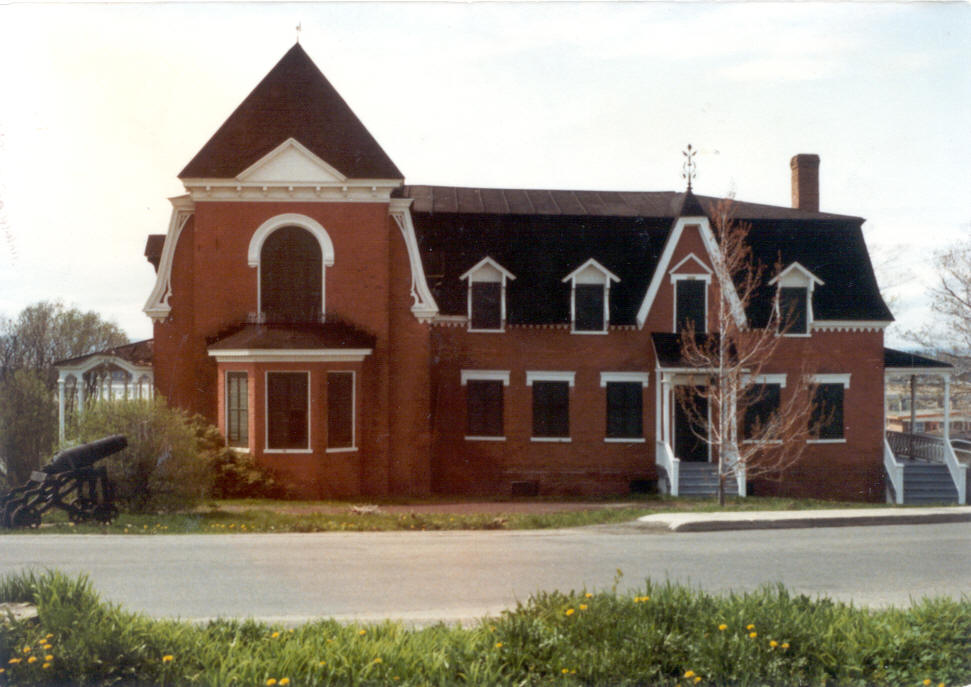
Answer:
(453, 576)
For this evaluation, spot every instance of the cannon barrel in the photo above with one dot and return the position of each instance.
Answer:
(85, 455)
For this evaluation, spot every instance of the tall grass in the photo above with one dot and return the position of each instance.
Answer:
(665, 635)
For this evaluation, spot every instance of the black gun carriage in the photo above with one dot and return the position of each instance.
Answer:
(71, 482)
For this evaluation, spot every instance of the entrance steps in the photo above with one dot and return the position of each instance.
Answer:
(701, 479)
(928, 483)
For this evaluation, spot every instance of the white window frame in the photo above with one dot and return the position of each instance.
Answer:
(353, 447)
(795, 276)
(551, 376)
(480, 273)
(245, 373)
(704, 275)
(266, 414)
(487, 376)
(624, 378)
(590, 273)
(832, 378)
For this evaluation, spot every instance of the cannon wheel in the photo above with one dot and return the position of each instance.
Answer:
(105, 513)
(23, 516)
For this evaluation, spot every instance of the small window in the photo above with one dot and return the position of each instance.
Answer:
(589, 308)
(761, 403)
(551, 409)
(237, 410)
(625, 404)
(827, 414)
(287, 411)
(486, 305)
(484, 400)
(690, 305)
(793, 310)
(340, 410)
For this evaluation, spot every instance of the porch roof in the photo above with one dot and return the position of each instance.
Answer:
(303, 337)
(911, 363)
(667, 349)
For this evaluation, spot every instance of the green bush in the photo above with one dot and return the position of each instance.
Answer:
(237, 476)
(166, 464)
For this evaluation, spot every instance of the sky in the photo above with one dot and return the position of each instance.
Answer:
(102, 104)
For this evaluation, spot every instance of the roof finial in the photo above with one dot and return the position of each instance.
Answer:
(688, 169)
(299, 25)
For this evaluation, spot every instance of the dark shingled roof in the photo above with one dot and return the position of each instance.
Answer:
(137, 353)
(293, 100)
(892, 358)
(541, 236)
(153, 249)
(293, 337)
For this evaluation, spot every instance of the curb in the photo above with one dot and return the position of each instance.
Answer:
(774, 520)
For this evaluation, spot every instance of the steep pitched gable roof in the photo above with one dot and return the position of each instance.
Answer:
(295, 100)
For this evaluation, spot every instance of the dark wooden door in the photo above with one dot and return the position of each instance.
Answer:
(688, 446)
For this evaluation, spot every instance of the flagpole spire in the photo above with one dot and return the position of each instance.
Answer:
(688, 169)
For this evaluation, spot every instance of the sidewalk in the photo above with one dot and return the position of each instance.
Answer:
(792, 519)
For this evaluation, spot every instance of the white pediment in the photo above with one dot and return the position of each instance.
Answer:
(291, 163)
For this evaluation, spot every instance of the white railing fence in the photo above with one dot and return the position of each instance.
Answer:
(895, 472)
(932, 450)
(665, 460)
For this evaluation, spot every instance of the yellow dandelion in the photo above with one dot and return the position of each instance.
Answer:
(750, 627)
(275, 635)
(49, 635)
(773, 644)
(570, 611)
(270, 682)
(362, 632)
(378, 660)
(583, 607)
(941, 684)
(46, 665)
(753, 635)
(498, 645)
(49, 657)
(689, 673)
(168, 658)
(32, 659)
(697, 680)
(14, 661)
(2, 671)
(284, 681)
(588, 595)
(322, 663)
(785, 645)
(26, 649)
(927, 681)
(722, 627)
(47, 647)
(565, 671)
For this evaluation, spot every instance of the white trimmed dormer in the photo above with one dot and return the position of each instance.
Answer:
(690, 280)
(487, 295)
(794, 299)
(590, 297)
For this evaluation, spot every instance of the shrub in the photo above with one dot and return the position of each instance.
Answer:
(166, 464)
(237, 476)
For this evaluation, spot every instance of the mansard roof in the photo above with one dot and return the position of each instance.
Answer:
(543, 235)
(295, 100)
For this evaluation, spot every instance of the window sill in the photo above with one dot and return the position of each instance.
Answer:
(346, 449)
(486, 331)
(625, 440)
(595, 332)
(484, 438)
(288, 450)
(797, 335)
(826, 441)
(551, 440)
(773, 442)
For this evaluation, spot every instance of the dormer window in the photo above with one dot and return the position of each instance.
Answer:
(794, 299)
(487, 296)
(590, 297)
(690, 278)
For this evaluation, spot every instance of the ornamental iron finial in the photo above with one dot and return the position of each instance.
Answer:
(688, 170)
(299, 27)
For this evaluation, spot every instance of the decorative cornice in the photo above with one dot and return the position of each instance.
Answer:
(423, 304)
(157, 307)
(235, 190)
(285, 355)
(849, 325)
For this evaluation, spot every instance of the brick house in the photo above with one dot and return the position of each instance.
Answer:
(365, 337)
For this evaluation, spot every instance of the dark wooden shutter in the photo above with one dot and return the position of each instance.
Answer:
(291, 276)
(486, 305)
(340, 409)
(551, 409)
(484, 407)
(625, 403)
(690, 303)
(589, 307)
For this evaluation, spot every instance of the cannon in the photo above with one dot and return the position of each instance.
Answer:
(71, 482)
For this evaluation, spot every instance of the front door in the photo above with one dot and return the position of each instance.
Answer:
(688, 445)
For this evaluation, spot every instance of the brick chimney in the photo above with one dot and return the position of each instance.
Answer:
(805, 182)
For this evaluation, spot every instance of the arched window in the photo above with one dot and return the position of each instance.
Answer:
(291, 276)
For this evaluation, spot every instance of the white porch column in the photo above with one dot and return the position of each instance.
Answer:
(60, 408)
(947, 409)
(80, 387)
(666, 416)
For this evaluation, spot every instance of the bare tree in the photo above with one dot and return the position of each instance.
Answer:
(751, 430)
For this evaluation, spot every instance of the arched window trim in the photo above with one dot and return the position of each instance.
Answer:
(291, 219)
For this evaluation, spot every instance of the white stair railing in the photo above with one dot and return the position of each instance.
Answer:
(958, 470)
(895, 471)
(664, 459)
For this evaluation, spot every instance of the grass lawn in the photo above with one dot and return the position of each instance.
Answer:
(257, 515)
(665, 635)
